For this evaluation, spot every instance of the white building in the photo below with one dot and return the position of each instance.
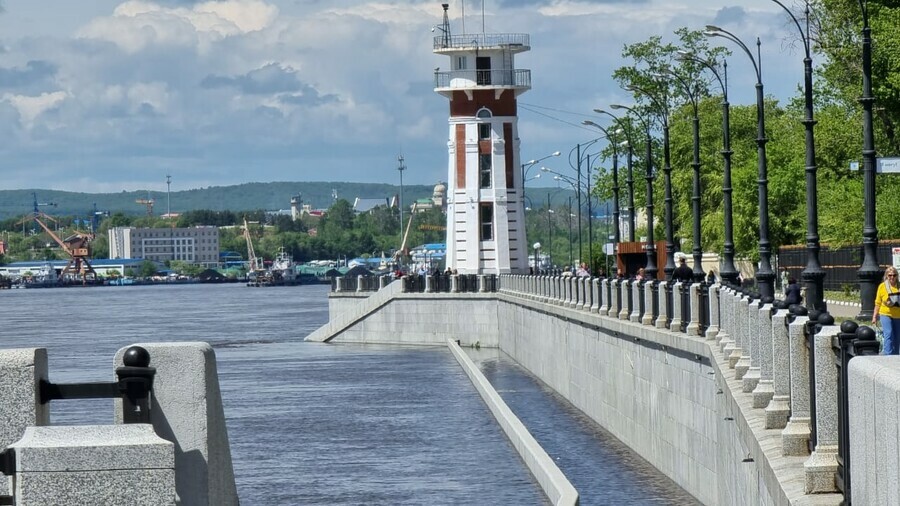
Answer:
(485, 209)
(199, 245)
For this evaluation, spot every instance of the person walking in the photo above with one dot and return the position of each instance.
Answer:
(887, 310)
(792, 292)
(683, 273)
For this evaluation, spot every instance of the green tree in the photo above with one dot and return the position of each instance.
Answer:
(147, 269)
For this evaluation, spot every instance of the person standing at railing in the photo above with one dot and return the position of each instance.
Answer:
(683, 273)
(887, 310)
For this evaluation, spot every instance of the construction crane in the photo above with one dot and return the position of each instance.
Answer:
(146, 202)
(36, 213)
(255, 264)
(96, 216)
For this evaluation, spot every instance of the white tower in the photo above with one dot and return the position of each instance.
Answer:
(485, 210)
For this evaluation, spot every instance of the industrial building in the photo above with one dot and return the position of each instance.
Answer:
(198, 245)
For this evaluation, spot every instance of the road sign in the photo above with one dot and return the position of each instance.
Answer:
(882, 165)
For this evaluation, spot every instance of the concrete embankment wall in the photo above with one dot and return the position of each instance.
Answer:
(662, 393)
(412, 318)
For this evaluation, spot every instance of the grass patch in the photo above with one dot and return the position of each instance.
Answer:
(842, 295)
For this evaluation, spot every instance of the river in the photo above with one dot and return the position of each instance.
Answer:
(315, 423)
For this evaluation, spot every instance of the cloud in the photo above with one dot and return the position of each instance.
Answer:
(30, 108)
(268, 79)
(34, 71)
(730, 16)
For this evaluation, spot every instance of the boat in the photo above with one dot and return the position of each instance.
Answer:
(282, 272)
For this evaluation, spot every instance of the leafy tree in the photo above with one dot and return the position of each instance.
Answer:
(147, 269)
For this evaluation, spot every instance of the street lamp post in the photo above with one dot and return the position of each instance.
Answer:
(650, 269)
(537, 248)
(728, 272)
(691, 92)
(531, 163)
(813, 275)
(549, 233)
(615, 171)
(616, 176)
(765, 277)
(400, 168)
(870, 271)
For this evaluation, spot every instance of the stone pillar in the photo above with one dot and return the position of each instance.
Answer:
(383, 282)
(482, 283)
(626, 288)
(94, 464)
(795, 436)
(713, 330)
(634, 310)
(752, 376)
(764, 390)
(647, 319)
(779, 408)
(454, 283)
(741, 353)
(21, 371)
(731, 344)
(693, 327)
(595, 295)
(337, 284)
(187, 410)
(579, 289)
(429, 283)
(675, 325)
(726, 310)
(663, 308)
(614, 298)
(822, 464)
(604, 297)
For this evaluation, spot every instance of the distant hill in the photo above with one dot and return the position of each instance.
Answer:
(248, 196)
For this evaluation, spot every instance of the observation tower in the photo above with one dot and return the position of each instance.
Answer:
(485, 208)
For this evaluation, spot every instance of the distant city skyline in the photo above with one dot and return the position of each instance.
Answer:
(106, 96)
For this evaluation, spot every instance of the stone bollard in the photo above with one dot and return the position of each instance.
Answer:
(188, 412)
(383, 282)
(604, 297)
(338, 286)
(795, 436)
(360, 283)
(713, 329)
(595, 295)
(779, 407)
(615, 298)
(693, 327)
(739, 360)
(21, 371)
(454, 283)
(765, 389)
(663, 315)
(751, 378)
(675, 324)
(429, 284)
(94, 464)
(822, 464)
(647, 318)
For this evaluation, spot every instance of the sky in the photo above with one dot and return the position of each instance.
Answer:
(111, 95)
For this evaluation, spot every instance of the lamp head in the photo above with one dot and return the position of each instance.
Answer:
(599, 111)
(545, 169)
(617, 106)
(556, 153)
(713, 28)
(531, 162)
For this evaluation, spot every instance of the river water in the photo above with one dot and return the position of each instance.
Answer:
(314, 423)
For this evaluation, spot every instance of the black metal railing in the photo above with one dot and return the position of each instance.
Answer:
(670, 301)
(703, 291)
(853, 341)
(685, 294)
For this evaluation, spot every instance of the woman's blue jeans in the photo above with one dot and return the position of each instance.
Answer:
(891, 329)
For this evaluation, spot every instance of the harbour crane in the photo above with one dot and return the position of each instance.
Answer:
(255, 264)
(37, 212)
(77, 246)
(146, 202)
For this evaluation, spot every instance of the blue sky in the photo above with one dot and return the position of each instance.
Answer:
(111, 95)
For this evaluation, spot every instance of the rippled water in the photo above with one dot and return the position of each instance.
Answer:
(314, 423)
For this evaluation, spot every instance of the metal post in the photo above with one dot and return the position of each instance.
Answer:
(870, 272)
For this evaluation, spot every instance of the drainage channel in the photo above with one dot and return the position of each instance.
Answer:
(602, 468)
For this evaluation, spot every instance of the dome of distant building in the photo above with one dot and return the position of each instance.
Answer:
(440, 190)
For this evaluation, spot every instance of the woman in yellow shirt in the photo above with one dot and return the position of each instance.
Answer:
(887, 309)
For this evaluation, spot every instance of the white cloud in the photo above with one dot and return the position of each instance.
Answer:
(30, 108)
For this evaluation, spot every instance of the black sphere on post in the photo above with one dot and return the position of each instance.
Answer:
(870, 272)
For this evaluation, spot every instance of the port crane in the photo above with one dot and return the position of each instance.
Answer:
(146, 202)
(77, 246)
(255, 264)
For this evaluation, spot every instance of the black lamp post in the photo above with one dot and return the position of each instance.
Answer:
(765, 277)
(869, 273)
(691, 93)
(650, 269)
(663, 107)
(728, 272)
(549, 233)
(613, 142)
(813, 275)
(578, 151)
(531, 163)
(400, 168)
(615, 188)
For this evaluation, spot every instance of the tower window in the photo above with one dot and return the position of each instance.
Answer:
(484, 170)
(484, 131)
(487, 222)
(461, 63)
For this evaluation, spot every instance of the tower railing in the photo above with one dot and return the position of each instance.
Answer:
(482, 40)
(517, 78)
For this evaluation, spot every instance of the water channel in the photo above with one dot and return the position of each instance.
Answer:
(331, 424)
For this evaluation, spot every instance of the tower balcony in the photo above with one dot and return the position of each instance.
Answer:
(515, 79)
(515, 42)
